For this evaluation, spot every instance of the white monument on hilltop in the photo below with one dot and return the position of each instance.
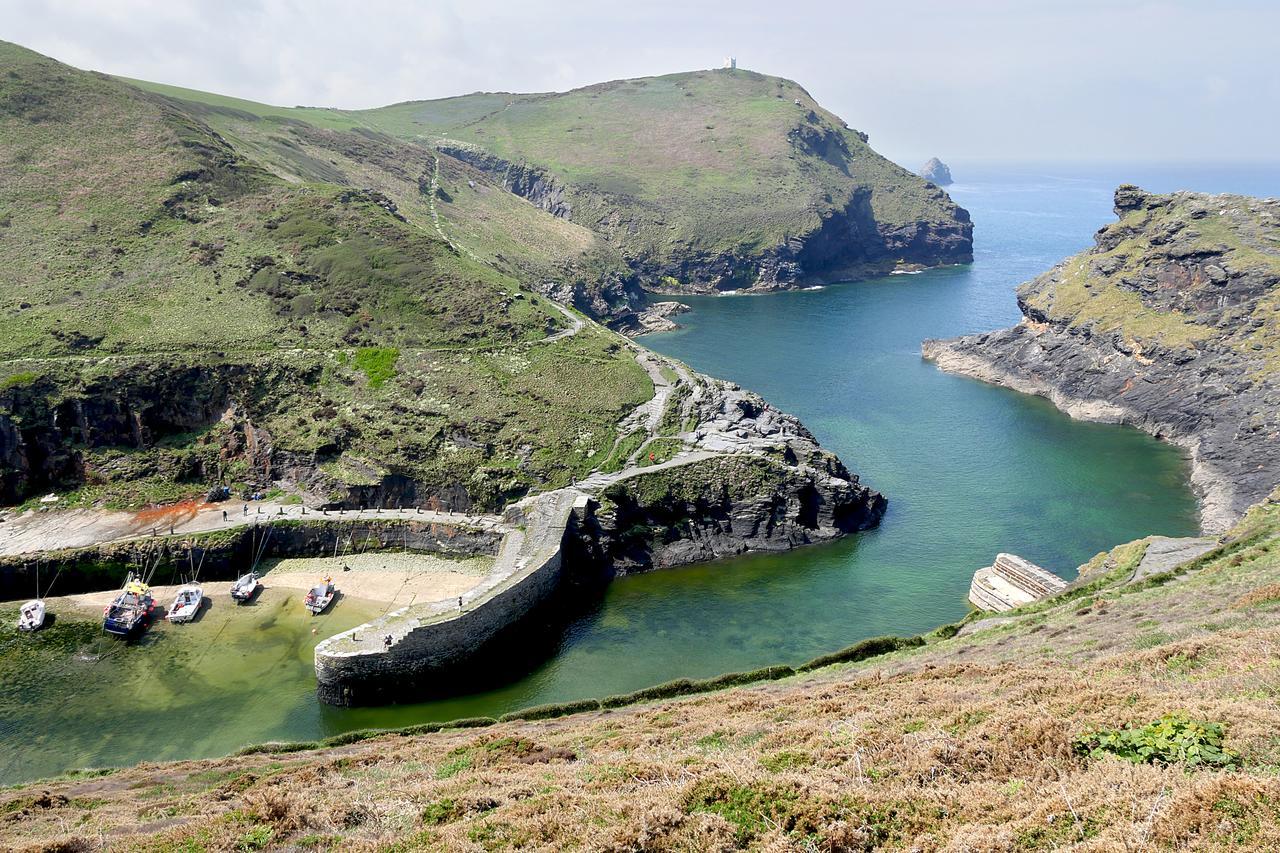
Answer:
(731, 62)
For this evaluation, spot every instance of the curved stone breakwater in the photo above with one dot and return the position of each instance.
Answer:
(395, 656)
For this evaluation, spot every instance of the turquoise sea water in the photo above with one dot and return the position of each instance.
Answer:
(969, 469)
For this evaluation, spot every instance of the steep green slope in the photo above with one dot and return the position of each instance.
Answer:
(707, 179)
(479, 218)
(475, 213)
(174, 311)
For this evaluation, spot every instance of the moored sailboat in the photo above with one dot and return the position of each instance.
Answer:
(245, 587)
(31, 616)
(186, 604)
(130, 610)
(319, 597)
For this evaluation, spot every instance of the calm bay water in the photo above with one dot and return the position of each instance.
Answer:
(969, 469)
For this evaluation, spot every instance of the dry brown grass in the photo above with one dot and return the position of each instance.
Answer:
(948, 757)
(965, 744)
(1260, 595)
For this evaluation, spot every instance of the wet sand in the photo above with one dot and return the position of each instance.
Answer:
(396, 579)
(382, 578)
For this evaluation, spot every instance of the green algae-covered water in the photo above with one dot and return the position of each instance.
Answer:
(970, 470)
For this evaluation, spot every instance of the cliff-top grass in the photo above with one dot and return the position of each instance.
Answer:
(1181, 271)
(703, 161)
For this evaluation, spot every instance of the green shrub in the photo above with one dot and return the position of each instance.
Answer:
(469, 723)
(689, 687)
(946, 632)
(353, 737)
(786, 760)
(439, 811)
(546, 712)
(255, 839)
(278, 748)
(377, 363)
(869, 648)
(16, 380)
(666, 690)
(1172, 739)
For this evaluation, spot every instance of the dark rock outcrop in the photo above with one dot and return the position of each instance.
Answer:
(715, 509)
(848, 244)
(654, 317)
(937, 172)
(773, 488)
(193, 424)
(1169, 323)
(529, 182)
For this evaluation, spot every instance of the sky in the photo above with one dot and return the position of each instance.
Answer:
(999, 80)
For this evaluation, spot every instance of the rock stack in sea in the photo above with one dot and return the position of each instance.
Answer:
(936, 171)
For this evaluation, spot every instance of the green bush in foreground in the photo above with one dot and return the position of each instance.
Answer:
(1172, 739)
(868, 648)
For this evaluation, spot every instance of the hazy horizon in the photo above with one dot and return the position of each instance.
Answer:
(995, 80)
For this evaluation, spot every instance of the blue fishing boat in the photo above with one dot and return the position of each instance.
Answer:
(130, 610)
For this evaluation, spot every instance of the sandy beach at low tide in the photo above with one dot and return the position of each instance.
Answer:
(394, 579)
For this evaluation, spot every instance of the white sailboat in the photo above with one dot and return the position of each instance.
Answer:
(187, 604)
(244, 587)
(31, 616)
(320, 597)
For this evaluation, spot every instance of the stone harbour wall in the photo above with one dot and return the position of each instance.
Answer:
(227, 554)
(434, 640)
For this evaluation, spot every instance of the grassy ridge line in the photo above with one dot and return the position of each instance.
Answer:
(331, 118)
(674, 169)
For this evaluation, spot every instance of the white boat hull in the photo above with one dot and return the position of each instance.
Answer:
(186, 605)
(31, 617)
(319, 598)
(245, 587)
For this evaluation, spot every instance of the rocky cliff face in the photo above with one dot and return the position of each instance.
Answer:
(151, 429)
(860, 225)
(529, 182)
(1170, 323)
(775, 490)
(848, 243)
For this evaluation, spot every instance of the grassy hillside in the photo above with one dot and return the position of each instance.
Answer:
(1124, 714)
(482, 221)
(703, 179)
(696, 164)
(311, 318)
